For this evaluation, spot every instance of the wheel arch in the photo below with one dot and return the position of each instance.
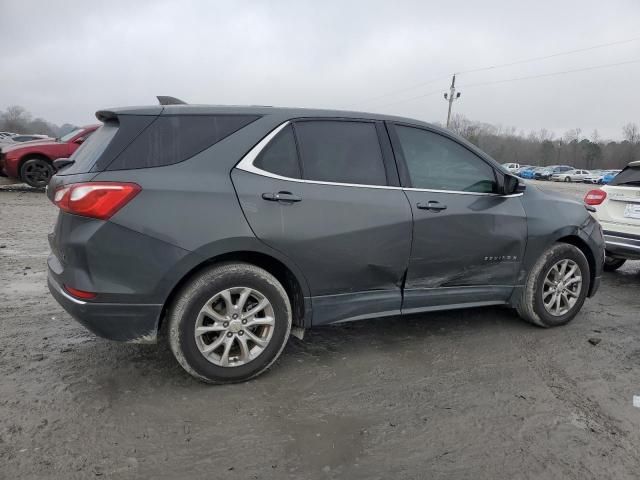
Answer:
(295, 286)
(581, 245)
(30, 156)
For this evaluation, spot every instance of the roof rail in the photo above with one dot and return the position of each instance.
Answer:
(165, 100)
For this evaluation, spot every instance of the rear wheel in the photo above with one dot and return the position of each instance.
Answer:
(230, 323)
(611, 264)
(567, 179)
(36, 172)
(556, 287)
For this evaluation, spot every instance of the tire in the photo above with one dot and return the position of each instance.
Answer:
(207, 288)
(567, 179)
(36, 172)
(531, 305)
(611, 264)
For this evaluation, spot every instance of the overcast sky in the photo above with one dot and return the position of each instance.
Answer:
(64, 60)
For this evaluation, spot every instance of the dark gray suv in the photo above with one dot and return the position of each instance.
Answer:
(229, 228)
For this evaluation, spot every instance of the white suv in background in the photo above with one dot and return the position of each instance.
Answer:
(512, 167)
(617, 208)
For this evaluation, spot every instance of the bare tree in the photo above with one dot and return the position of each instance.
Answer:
(631, 133)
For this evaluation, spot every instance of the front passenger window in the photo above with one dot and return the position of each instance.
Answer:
(435, 162)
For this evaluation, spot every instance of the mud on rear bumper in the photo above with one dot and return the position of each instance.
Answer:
(134, 323)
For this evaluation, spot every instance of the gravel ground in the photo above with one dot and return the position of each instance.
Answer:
(466, 394)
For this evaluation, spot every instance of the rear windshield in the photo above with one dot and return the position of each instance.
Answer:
(628, 176)
(91, 149)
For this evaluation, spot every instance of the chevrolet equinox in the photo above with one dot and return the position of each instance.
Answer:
(228, 228)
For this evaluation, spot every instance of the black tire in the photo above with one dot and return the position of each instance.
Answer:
(530, 305)
(611, 264)
(36, 172)
(567, 179)
(182, 316)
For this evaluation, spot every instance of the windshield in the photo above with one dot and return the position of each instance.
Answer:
(70, 135)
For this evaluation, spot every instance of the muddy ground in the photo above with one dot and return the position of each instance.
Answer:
(474, 394)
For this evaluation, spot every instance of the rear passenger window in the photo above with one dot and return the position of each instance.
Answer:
(340, 151)
(280, 156)
(174, 138)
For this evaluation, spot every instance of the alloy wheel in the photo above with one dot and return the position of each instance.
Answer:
(234, 326)
(562, 287)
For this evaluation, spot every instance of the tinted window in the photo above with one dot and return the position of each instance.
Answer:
(438, 163)
(89, 151)
(628, 176)
(280, 156)
(343, 152)
(174, 138)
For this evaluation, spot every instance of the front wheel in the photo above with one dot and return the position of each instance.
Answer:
(556, 287)
(36, 172)
(567, 179)
(230, 323)
(612, 264)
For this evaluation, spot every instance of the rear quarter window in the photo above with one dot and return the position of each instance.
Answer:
(173, 139)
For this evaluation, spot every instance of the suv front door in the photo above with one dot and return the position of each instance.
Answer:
(468, 240)
(325, 193)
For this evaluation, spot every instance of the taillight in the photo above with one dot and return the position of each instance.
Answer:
(80, 293)
(95, 199)
(595, 197)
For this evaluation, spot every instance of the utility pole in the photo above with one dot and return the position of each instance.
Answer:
(451, 96)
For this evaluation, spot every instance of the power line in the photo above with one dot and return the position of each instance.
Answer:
(595, 67)
(491, 67)
(551, 74)
(395, 92)
(544, 57)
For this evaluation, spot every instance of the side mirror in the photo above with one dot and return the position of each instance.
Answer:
(60, 163)
(79, 140)
(511, 184)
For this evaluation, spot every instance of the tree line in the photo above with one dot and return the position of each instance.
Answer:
(543, 148)
(17, 119)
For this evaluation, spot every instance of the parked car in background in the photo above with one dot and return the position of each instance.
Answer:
(570, 176)
(527, 173)
(594, 176)
(32, 162)
(608, 176)
(521, 168)
(512, 167)
(241, 223)
(23, 138)
(617, 208)
(546, 172)
(4, 135)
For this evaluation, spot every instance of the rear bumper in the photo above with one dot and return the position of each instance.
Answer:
(135, 323)
(622, 245)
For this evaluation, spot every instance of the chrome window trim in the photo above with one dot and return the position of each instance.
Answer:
(246, 165)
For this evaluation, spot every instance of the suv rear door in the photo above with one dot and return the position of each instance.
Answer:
(325, 192)
(468, 241)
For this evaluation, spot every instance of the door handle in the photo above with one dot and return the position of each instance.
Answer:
(432, 205)
(284, 197)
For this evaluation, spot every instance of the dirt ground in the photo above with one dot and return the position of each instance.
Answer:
(474, 394)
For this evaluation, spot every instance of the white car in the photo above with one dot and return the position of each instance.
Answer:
(595, 176)
(570, 176)
(617, 207)
(512, 167)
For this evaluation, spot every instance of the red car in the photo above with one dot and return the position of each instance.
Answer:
(32, 162)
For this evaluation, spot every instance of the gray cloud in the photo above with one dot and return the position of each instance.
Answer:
(65, 61)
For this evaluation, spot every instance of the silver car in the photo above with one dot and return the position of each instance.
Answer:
(570, 176)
